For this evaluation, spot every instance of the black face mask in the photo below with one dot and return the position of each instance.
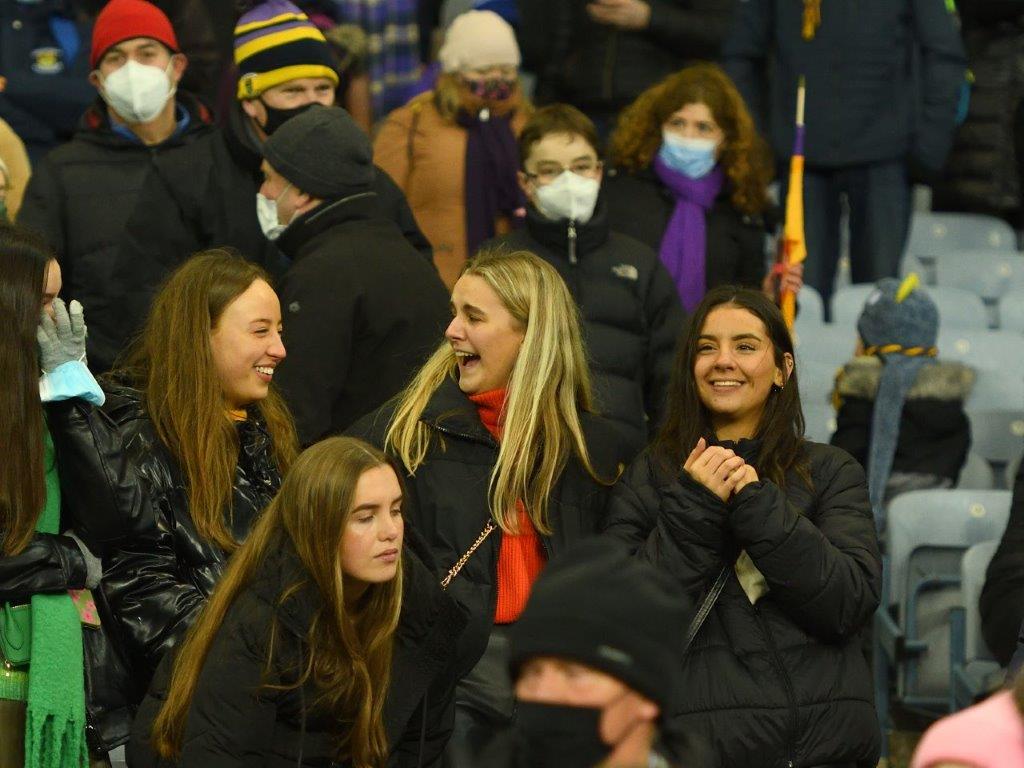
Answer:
(278, 117)
(555, 736)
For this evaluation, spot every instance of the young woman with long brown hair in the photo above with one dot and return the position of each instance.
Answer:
(207, 438)
(326, 641)
(506, 462)
(730, 493)
(48, 700)
(689, 178)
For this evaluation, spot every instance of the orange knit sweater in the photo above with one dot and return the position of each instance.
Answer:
(521, 557)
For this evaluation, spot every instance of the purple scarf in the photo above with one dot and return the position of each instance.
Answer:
(492, 159)
(684, 244)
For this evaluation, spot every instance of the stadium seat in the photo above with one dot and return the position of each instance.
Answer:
(998, 437)
(824, 343)
(957, 308)
(973, 670)
(1011, 311)
(976, 474)
(1000, 351)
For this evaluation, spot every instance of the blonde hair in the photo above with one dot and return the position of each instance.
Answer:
(450, 96)
(548, 390)
(348, 650)
(172, 363)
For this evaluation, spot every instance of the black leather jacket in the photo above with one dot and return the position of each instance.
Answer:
(158, 579)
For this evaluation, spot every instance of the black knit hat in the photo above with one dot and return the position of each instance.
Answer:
(323, 153)
(607, 609)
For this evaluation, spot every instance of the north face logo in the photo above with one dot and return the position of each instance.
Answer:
(626, 271)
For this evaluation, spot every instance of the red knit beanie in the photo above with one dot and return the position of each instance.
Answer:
(122, 20)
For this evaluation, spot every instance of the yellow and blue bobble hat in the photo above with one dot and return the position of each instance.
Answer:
(276, 42)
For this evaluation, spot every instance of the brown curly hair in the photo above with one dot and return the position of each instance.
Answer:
(745, 155)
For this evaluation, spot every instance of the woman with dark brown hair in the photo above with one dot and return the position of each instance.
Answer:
(689, 178)
(205, 438)
(731, 495)
(326, 642)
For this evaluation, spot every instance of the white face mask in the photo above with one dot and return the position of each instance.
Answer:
(266, 212)
(570, 196)
(137, 92)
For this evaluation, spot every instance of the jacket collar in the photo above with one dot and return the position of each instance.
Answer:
(332, 213)
(451, 412)
(242, 141)
(555, 234)
(95, 124)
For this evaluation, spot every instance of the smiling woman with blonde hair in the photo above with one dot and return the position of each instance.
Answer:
(505, 460)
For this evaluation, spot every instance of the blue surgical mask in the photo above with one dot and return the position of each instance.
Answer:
(693, 158)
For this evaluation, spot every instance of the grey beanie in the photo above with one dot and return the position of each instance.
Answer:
(323, 153)
(899, 324)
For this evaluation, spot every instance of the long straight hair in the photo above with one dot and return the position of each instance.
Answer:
(348, 652)
(172, 363)
(23, 264)
(548, 391)
(781, 427)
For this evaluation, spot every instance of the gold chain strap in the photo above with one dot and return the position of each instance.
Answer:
(454, 570)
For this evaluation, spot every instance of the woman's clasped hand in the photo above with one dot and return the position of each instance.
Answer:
(719, 469)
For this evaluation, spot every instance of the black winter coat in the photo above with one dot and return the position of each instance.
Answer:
(160, 577)
(598, 67)
(883, 78)
(934, 431)
(640, 206)
(80, 197)
(1002, 597)
(447, 500)
(204, 196)
(630, 310)
(229, 726)
(784, 682)
(362, 311)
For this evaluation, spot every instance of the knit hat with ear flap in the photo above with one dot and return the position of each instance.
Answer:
(276, 42)
(478, 40)
(899, 324)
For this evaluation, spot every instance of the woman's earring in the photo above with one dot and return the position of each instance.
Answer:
(776, 387)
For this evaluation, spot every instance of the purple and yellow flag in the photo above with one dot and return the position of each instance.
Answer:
(794, 247)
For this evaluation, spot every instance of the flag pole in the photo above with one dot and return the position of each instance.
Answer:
(794, 247)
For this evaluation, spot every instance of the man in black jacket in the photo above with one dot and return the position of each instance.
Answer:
(629, 305)
(884, 78)
(363, 309)
(595, 658)
(79, 198)
(204, 195)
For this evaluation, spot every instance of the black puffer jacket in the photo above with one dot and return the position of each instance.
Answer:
(640, 206)
(448, 500)
(363, 311)
(159, 578)
(784, 682)
(229, 726)
(1002, 597)
(601, 68)
(630, 310)
(934, 431)
(204, 196)
(80, 197)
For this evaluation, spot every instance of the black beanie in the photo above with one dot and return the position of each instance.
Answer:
(607, 609)
(323, 153)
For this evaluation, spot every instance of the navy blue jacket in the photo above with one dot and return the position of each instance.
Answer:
(883, 77)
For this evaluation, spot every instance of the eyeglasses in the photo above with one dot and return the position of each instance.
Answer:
(548, 172)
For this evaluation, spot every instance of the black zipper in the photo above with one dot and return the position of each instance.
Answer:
(463, 435)
(572, 242)
(790, 695)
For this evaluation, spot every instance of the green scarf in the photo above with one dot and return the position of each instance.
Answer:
(55, 714)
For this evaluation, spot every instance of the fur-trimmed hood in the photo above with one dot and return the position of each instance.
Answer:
(941, 381)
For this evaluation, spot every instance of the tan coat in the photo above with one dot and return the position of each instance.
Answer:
(12, 152)
(426, 156)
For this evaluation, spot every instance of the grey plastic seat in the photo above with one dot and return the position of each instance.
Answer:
(1011, 311)
(819, 421)
(976, 474)
(825, 343)
(935, 233)
(811, 307)
(998, 437)
(817, 380)
(928, 533)
(996, 390)
(989, 274)
(1000, 351)
(958, 308)
(973, 669)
